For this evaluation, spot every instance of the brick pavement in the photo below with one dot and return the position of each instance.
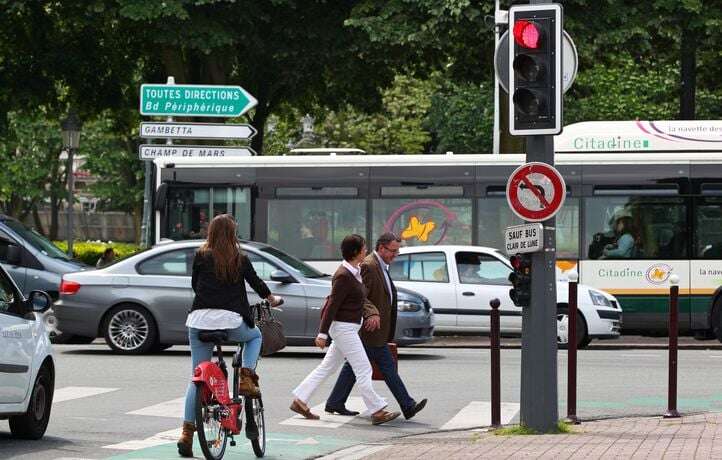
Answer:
(690, 437)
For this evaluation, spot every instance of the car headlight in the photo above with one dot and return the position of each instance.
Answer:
(405, 305)
(599, 299)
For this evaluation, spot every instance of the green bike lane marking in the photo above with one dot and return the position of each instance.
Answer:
(278, 445)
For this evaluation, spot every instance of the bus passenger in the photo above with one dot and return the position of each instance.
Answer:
(625, 247)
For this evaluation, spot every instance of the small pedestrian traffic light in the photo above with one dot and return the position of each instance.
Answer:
(520, 279)
(535, 69)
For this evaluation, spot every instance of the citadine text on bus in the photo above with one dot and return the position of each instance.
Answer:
(610, 143)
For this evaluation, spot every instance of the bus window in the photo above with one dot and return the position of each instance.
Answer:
(708, 228)
(424, 221)
(312, 229)
(635, 227)
(495, 215)
(189, 210)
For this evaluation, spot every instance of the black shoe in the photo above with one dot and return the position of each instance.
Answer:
(341, 411)
(415, 409)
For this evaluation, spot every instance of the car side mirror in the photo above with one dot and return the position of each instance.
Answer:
(14, 254)
(282, 277)
(39, 301)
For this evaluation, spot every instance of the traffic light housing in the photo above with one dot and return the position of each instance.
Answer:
(535, 69)
(520, 279)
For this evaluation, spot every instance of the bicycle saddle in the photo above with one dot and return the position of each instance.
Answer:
(217, 336)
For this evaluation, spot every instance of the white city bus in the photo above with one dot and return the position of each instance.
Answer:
(664, 179)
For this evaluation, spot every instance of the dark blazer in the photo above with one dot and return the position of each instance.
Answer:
(346, 301)
(378, 296)
(210, 292)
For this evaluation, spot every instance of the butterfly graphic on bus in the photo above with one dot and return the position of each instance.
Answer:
(418, 230)
(428, 222)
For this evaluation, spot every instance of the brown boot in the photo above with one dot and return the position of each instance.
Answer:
(248, 383)
(185, 443)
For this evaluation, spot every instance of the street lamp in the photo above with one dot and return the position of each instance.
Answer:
(70, 130)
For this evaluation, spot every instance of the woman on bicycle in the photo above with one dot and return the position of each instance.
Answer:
(219, 272)
(341, 319)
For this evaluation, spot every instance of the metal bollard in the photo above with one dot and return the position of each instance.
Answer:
(495, 364)
(572, 351)
(673, 330)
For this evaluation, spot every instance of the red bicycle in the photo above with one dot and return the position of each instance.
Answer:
(218, 414)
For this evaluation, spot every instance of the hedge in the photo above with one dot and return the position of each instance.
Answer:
(90, 251)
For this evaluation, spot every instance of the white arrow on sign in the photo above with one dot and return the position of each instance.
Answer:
(196, 131)
(153, 151)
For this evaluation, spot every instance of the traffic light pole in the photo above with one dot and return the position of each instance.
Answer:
(539, 402)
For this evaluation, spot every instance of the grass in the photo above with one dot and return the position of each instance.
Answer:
(521, 430)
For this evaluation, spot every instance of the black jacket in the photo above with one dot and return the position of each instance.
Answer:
(210, 292)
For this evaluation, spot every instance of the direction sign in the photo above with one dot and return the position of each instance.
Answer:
(570, 61)
(525, 238)
(195, 100)
(196, 131)
(153, 151)
(535, 191)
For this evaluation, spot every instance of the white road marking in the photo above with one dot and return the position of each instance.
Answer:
(478, 413)
(355, 452)
(327, 420)
(70, 393)
(158, 439)
(172, 409)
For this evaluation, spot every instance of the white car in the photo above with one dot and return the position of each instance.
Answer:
(27, 368)
(459, 281)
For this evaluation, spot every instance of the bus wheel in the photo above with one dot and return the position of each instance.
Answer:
(716, 319)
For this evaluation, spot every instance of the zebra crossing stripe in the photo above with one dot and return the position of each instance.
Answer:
(172, 409)
(70, 393)
(478, 413)
(327, 420)
(158, 439)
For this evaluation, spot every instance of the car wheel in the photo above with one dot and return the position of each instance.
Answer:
(130, 329)
(32, 424)
(583, 338)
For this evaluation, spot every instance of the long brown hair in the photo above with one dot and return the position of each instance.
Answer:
(222, 244)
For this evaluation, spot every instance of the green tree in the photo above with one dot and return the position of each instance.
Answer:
(281, 51)
(461, 117)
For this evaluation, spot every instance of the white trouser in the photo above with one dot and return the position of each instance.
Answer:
(347, 345)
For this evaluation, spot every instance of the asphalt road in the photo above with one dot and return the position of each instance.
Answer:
(130, 407)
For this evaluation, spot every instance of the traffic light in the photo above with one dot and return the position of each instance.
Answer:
(521, 280)
(535, 69)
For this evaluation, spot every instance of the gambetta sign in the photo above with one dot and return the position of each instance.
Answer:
(640, 136)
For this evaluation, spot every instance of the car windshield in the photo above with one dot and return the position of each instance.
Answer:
(301, 267)
(36, 240)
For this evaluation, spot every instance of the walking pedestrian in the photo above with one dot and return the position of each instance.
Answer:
(378, 332)
(220, 270)
(341, 319)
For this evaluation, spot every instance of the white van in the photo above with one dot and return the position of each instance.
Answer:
(460, 297)
(27, 368)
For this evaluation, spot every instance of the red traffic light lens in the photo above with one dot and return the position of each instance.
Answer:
(527, 34)
(515, 262)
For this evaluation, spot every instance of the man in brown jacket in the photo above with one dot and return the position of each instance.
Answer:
(378, 330)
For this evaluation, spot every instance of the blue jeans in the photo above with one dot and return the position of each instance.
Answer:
(203, 351)
(383, 359)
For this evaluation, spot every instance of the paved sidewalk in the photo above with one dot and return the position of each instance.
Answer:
(623, 343)
(690, 437)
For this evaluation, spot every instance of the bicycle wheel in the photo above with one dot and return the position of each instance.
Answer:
(255, 408)
(211, 435)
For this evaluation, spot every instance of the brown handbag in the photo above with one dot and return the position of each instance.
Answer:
(377, 375)
(271, 331)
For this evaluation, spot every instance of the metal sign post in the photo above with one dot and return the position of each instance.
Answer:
(539, 399)
(536, 191)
